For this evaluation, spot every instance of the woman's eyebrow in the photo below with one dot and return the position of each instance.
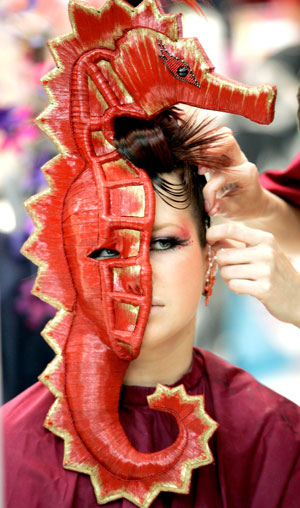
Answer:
(157, 227)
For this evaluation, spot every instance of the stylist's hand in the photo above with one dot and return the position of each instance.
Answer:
(258, 268)
(235, 191)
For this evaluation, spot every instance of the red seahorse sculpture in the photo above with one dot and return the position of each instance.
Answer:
(118, 60)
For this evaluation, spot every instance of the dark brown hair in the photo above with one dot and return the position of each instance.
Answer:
(167, 143)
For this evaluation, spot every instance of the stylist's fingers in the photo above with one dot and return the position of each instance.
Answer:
(232, 255)
(245, 287)
(237, 232)
(216, 182)
(260, 269)
(230, 182)
(247, 271)
(227, 145)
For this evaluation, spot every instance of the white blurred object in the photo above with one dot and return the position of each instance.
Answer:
(260, 30)
(7, 217)
(286, 383)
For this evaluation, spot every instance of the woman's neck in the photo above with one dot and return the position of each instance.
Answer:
(164, 363)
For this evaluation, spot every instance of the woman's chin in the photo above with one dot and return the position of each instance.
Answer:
(156, 309)
(154, 335)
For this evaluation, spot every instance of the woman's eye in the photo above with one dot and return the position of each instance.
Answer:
(161, 244)
(167, 243)
(104, 254)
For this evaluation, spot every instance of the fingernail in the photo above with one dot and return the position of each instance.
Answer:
(202, 171)
(206, 205)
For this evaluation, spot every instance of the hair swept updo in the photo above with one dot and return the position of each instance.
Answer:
(169, 143)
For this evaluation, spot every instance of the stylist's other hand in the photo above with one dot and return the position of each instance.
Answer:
(235, 191)
(258, 267)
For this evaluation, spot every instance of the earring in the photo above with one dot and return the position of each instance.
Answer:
(210, 277)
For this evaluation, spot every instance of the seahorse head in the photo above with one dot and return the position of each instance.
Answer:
(159, 71)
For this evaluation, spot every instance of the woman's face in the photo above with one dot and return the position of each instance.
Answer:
(178, 270)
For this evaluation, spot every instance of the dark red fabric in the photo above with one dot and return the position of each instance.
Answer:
(285, 184)
(256, 448)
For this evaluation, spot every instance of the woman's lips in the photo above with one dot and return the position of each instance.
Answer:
(157, 303)
(156, 306)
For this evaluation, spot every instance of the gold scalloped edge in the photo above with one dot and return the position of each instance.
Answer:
(26, 251)
(43, 126)
(52, 368)
(49, 329)
(42, 265)
(53, 103)
(131, 10)
(48, 334)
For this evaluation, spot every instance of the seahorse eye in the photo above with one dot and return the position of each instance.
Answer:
(182, 71)
(177, 67)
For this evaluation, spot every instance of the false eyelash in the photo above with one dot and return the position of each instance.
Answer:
(175, 241)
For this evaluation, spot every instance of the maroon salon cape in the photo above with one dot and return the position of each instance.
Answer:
(256, 448)
(285, 184)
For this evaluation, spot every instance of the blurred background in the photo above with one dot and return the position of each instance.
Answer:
(252, 42)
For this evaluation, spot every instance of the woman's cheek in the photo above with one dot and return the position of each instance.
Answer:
(185, 275)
